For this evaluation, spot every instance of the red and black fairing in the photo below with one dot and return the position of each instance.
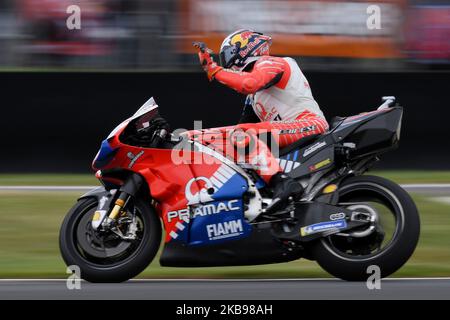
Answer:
(192, 190)
(365, 135)
(202, 203)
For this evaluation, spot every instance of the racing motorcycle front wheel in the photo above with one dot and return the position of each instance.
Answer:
(115, 255)
(386, 244)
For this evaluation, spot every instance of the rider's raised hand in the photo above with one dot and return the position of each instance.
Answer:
(206, 61)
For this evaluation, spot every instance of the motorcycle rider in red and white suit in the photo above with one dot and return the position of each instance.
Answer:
(279, 99)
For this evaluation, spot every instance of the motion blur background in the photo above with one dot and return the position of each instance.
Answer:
(157, 34)
(129, 50)
(63, 90)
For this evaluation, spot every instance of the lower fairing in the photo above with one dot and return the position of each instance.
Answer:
(260, 247)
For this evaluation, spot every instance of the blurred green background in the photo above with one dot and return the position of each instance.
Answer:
(30, 221)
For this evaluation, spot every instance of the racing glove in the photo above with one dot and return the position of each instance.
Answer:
(160, 123)
(154, 132)
(207, 62)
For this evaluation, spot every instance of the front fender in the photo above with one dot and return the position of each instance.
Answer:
(97, 193)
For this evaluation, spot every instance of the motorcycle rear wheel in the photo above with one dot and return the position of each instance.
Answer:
(335, 253)
(113, 259)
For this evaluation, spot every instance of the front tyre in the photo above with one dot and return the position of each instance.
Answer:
(388, 246)
(108, 257)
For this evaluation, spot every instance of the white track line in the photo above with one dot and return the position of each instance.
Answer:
(426, 185)
(444, 200)
(86, 188)
(46, 188)
(231, 280)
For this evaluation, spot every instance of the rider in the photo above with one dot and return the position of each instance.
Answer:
(278, 96)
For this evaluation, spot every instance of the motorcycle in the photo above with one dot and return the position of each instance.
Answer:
(214, 212)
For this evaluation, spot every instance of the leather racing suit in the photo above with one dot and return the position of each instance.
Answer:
(279, 101)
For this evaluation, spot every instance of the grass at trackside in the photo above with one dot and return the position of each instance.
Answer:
(46, 179)
(29, 226)
(410, 176)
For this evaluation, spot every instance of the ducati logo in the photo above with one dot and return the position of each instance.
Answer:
(265, 115)
(262, 113)
(133, 158)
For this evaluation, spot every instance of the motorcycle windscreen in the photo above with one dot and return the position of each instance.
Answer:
(145, 114)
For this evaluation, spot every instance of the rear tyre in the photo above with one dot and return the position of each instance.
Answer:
(108, 258)
(348, 257)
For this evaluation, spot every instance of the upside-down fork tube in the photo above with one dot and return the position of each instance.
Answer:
(129, 189)
(118, 205)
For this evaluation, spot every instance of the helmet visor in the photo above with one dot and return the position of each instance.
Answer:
(227, 56)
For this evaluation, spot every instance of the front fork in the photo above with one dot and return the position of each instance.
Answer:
(105, 217)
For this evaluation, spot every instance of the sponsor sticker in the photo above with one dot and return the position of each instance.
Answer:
(323, 226)
(204, 210)
(227, 229)
(298, 130)
(337, 216)
(313, 148)
(214, 183)
(320, 164)
(98, 218)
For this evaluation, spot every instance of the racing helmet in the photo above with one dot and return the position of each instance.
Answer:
(243, 47)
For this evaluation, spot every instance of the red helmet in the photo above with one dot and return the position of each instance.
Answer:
(242, 47)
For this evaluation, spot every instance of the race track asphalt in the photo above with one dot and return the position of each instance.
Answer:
(276, 289)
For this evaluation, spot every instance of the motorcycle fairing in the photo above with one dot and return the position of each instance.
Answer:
(274, 239)
(375, 133)
(218, 221)
(321, 160)
(311, 158)
(179, 187)
(183, 190)
(369, 132)
(105, 155)
(214, 211)
(215, 189)
(260, 247)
